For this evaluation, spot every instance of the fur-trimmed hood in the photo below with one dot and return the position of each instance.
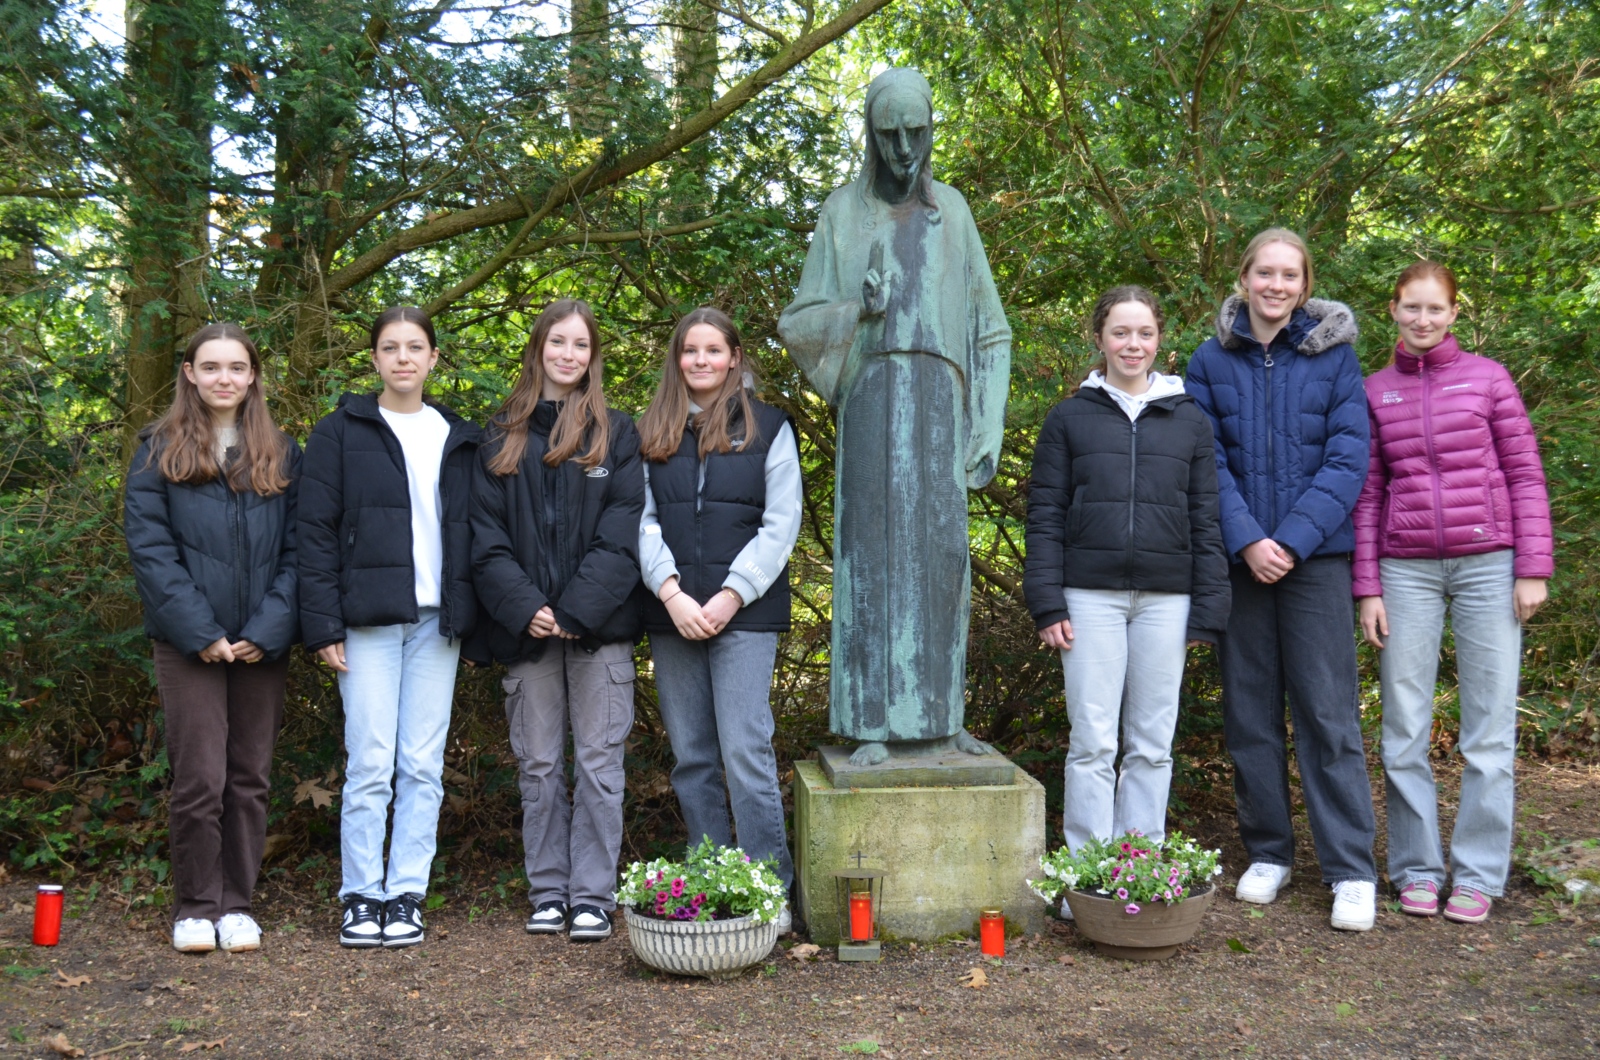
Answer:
(1315, 327)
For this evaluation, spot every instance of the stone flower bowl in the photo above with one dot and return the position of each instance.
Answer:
(715, 949)
(1152, 934)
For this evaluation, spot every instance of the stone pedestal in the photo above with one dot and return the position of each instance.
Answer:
(949, 852)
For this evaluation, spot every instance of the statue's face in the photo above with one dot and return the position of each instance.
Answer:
(902, 128)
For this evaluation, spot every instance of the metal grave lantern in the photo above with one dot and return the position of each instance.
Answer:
(860, 893)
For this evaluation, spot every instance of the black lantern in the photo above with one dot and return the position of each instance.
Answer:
(860, 894)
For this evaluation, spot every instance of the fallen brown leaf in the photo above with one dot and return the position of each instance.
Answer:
(59, 1045)
(320, 797)
(189, 1047)
(275, 845)
(805, 951)
(1242, 1027)
(976, 978)
(66, 982)
(1065, 958)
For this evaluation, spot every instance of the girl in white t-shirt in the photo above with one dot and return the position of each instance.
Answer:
(385, 569)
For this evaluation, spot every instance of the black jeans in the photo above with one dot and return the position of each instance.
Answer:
(1298, 637)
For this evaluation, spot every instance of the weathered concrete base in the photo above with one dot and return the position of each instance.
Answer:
(933, 768)
(948, 851)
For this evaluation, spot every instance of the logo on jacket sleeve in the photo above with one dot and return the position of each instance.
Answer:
(1392, 397)
(597, 472)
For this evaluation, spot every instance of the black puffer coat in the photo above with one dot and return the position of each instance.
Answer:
(355, 526)
(212, 563)
(564, 536)
(1124, 504)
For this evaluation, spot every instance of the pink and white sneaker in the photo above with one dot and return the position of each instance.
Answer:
(1467, 906)
(1420, 898)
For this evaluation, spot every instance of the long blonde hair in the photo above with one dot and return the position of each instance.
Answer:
(1275, 235)
(583, 413)
(661, 426)
(184, 439)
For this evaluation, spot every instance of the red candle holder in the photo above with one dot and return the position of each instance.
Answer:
(47, 914)
(992, 932)
(860, 895)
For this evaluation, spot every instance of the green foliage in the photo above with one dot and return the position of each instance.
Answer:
(306, 163)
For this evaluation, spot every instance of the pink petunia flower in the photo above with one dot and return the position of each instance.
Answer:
(1132, 909)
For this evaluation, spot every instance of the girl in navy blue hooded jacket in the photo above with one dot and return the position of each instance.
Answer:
(1283, 388)
(210, 520)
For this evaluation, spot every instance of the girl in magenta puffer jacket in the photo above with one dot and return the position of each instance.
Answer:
(1454, 513)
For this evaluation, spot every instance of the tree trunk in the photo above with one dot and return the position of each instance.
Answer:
(587, 74)
(166, 176)
(694, 56)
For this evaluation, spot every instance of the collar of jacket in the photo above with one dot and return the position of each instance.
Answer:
(1315, 327)
(544, 416)
(1099, 396)
(366, 406)
(1447, 352)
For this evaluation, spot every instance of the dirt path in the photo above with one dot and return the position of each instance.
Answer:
(1525, 983)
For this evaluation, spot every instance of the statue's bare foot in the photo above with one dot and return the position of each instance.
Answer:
(871, 753)
(969, 743)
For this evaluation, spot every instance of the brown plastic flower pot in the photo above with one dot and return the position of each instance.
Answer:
(1152, 934)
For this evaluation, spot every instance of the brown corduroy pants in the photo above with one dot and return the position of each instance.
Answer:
(222, 720)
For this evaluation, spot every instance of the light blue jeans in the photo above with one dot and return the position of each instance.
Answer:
(397, 699)
(1477, 590)
(1124, 670)
(714, 697)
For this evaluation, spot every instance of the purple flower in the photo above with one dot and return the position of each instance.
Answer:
(684, 914)
(1132, 909)
(677, 887)
(1122, 892)
(1166, 896)
(1127, 848)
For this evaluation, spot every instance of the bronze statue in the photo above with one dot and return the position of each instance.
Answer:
(897, 324)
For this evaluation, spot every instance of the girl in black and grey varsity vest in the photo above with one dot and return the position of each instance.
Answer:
(722, 512)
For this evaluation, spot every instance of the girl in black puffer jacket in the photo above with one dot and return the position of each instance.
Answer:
(386, 598)
(1125, 565)
(210, 521)
(556, 499)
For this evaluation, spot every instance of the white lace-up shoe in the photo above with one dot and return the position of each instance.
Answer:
(194, 935)
(237, 932)
(1261, 883)
(1355, 905)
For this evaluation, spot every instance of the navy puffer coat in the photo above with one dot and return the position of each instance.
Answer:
(1291, 426)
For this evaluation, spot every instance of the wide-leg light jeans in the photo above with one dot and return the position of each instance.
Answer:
(397, 696)
(1478, 592)
(1124, 671)
(715, 700)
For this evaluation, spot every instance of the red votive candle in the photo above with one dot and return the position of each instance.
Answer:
(992, 932)
(860, 916)
(47, 914)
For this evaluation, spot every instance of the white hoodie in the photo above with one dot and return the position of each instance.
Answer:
(1160, 386)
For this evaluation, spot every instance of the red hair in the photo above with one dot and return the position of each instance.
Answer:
(1426, 270)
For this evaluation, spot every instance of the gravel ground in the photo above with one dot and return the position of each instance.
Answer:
(1525, 983)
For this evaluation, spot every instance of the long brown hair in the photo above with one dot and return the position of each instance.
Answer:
(184, 440)
(583, 413)
(662, 425)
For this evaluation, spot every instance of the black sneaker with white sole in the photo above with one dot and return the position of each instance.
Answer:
(362, 927)
(402, 921)
(549, 918)
(589, 923)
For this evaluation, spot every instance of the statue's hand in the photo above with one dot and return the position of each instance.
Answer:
(874, 293)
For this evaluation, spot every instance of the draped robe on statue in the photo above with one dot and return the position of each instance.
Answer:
(920, 393)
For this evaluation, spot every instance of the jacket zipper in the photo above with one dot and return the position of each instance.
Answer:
(1272, 468)
(1133, 467)
(1433, 463)
(241, 562)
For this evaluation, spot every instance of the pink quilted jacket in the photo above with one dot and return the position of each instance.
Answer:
(1454, 469)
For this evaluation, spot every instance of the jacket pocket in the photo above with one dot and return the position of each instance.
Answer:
(1499, 504)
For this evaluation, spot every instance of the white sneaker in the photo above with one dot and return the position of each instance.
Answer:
(1355, 905)
(194, 935)
(1261, 883)
(237, 931)
(1066, 910)
(785, 920)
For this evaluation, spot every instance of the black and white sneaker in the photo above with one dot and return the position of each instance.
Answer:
(402, 921)
(550, 918)
(362, 927)
(589, 923)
